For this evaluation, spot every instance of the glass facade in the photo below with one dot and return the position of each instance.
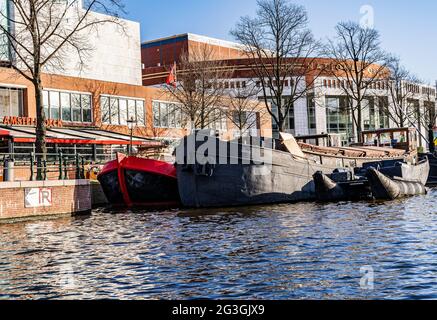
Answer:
(218, 121)
(118, 110)
(11, 102)
(5, 49)
(166, 115)
(67, 106)
(312, 118)
(289, 119)
(339, 117)
(384, 118)
(369, 114)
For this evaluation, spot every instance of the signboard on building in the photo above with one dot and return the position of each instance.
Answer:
(38, 197)
(26, 121)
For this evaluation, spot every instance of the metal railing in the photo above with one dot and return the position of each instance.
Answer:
(55, 166)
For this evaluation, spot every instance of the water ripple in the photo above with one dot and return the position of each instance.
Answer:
(295, 251)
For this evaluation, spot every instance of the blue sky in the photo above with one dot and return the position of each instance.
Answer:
(408, 28)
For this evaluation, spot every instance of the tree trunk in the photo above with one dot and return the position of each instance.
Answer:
(40, 143)
(359, 123)
(281, 124)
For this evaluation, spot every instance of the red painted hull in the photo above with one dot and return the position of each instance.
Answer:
(132, 181)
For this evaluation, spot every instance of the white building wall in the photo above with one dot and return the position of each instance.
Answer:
(115, 57)
(113, 53)
(321, 121)
(301, 117)
(320, 94)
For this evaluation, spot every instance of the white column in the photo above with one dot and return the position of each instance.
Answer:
(301, 117)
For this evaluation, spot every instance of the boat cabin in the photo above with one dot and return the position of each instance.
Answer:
(396, 138)
(321, 140)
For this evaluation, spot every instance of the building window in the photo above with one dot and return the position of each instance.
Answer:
(11, 102)
(312, 122)
(66, 106)
(339, 117)
(104, 106)
(291, 123)
(167, 115)
(368, 113)
(429, 113)
(217, 121)
(384, 118)
(118, 110)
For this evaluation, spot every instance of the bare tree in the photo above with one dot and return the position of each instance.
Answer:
(430, 115)
(42, 33)
(280, 48)
(400, 94)
(200, 86)
(243, 109)
(360, 64)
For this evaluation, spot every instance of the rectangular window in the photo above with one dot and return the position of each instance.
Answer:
(164, 116)
(312, 122)
(383, 108)
(172, 116)
(167, 115)
(141, 114)
(104, 105)
(65, 106)
(156, 115)
(122, 104)
(115, 112)
(339, 117)
(11, 102)
(76, 107)
(70, 107)
(86, 108)
(54, 105)
(45, 98)
(131, 110)
(118, 110)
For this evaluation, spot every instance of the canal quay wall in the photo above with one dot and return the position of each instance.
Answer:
(98, 197)
(27, 200)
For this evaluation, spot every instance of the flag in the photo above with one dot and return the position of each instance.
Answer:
(171, 79)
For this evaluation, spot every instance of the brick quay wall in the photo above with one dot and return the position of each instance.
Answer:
(27, 200)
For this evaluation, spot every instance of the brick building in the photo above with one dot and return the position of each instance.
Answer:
(88, 110)
(322, 110)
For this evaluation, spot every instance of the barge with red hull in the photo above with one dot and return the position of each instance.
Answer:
(137, 182)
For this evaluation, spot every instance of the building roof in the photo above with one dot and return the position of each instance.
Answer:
(191, 37)
(74, 136)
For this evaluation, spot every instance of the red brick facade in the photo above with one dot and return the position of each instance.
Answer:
(69, 197)
(96, 89)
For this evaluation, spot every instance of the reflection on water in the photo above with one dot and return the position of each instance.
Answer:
(295, 251)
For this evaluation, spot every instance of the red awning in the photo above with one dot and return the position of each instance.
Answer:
(75, 136)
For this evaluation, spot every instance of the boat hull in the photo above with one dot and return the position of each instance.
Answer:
(131, 181)
(432, 179)
(246, 179)
(235, 174)
(328, 190)
(385, 188)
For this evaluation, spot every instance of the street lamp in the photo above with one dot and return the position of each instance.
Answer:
(131, 123)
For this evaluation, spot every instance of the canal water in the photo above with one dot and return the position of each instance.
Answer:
(361, 250)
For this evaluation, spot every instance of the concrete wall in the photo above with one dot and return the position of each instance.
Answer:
(68, 197)
(109, 51)
(116, 54)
